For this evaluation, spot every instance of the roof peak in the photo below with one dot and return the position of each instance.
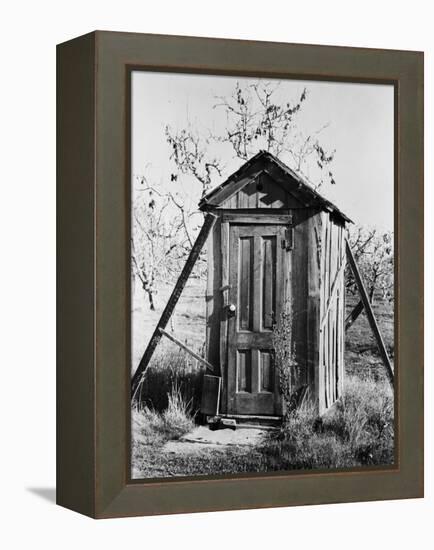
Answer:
(302, 182)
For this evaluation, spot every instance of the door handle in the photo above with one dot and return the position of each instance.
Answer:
(232, 308)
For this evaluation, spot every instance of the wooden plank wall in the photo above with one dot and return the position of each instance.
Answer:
(216, 302)
(213, 297)
(297, 297)
(332, 294)
(315, 273)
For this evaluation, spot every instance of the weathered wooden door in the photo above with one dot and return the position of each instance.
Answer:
(256, 278)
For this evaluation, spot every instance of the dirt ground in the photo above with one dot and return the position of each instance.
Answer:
(202, 438)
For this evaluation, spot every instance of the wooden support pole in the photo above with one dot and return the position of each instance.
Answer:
(370, 314)
(173, 300)
(187, 349)
(353, 315)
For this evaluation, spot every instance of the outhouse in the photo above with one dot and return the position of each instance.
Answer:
(276, 257)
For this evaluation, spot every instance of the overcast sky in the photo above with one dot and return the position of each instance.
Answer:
(360, 128)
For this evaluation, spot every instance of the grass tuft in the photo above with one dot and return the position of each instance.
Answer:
(357, 431)
(178, 418)
(152, 427)
(364, 419)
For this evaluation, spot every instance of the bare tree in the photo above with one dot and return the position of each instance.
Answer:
(161, 237)
(189, 153)
(255, 120)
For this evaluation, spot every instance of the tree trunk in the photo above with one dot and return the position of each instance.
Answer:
(150, 294)
(151, 300)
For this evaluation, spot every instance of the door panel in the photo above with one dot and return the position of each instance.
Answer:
(256, 275)
(268, 298)
(245, 296)
(266, 370)
(244, 370)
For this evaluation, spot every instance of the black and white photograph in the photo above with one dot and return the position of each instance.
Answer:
(216, 235)
(262, 275)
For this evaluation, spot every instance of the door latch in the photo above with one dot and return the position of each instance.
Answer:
(288, 241)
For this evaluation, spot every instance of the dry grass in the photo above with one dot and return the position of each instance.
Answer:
(151, 429)
(358, 431)
(178, 418)
(151, 426)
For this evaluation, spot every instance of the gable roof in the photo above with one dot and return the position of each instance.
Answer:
(290, 180)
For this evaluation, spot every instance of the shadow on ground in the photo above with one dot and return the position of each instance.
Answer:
(46, 493)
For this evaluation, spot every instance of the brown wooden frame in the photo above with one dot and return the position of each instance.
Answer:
(93, 384)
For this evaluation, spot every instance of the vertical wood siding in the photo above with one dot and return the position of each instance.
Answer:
(261, 192)
(329, 382)
(214, 297)
(297, 301)
(315, 281)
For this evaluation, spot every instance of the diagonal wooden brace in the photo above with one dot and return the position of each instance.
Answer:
(370, 314)
(196, 356)
(173, 300)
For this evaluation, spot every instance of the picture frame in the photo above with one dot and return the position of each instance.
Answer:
(93, 171)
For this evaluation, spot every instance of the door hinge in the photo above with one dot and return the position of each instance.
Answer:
(288, 241)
